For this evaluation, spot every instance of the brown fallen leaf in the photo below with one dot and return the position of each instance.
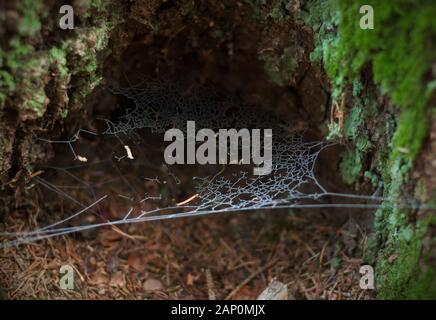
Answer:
(151, 285)
(99, 278)
(135, 261)
(276, 290)
(245, 293)
(190, 279)
(117, 280)
(139, 261)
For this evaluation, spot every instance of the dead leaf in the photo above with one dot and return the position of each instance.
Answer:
(190, 279)
(139, 261)
(276, 290)
(117, 280)
(134, 260)
(245, 293)
(151, 285)
(99, 278)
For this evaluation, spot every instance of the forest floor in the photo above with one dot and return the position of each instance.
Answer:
(222, 257)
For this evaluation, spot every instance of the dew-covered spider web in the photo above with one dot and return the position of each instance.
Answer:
(117, 176)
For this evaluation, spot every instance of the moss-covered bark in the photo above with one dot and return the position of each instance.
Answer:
(398, 56)
(46, 72)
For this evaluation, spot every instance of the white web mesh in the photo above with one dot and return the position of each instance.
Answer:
(160, 105)
(123, 167)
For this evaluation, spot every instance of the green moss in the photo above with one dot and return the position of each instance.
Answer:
(398, 47)
(412, 127)
(334, 131)
(12, 58)
(374, 179)
(7, 84)
(355, 130)
(94, 7)
(37, 102)
(31, 12)
(16, 61)
(424, 287)
(404, 270)
(32, 83)
(323, 18)
(10, 61)
(280, 9)
(401, 278)
(281, 68)
(351, 166)
(97, 4)
(57, 56)
(26, 70)
(395, 271)
(399, 51)
(85, 60)
(371, 249)
(423, 284)
(63, 113)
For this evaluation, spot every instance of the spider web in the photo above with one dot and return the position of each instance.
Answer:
(117, 177)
